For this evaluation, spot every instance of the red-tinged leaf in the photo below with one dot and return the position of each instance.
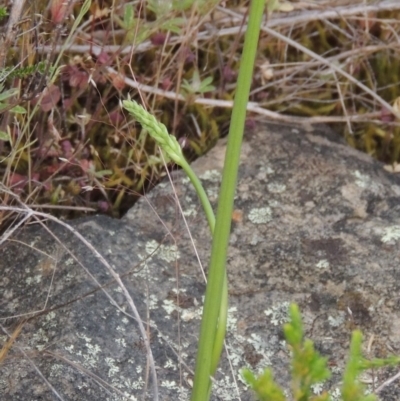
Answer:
(116, 117)
(190, 58)
(118, 81)
(229, 74)
(17, 181)
(188, 55)
(158, 39)
(67, 103)
(35, 176)
(59, 10)
(386, 115)
(250, 124)
(79, 79)
(50, 170)
(166, 84)
(48, 148)
(67, 149)
(103, 58)
(48, 98)
(103, 206)
(86, 165)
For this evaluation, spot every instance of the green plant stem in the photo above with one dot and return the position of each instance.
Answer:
(223, 310)
(200, 193)
(217, 273)
(172, 151)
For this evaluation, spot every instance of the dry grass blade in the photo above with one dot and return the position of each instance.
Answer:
(48, 384)
(76, 148)
(113, 273)
(10, 341)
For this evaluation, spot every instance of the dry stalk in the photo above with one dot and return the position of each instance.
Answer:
(55, 392)
(11, 32)
(25, 210)
(290, 20)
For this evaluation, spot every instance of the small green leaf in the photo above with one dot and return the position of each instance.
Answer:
(4, 136)
(3, 12)
(196, 85)
(182, 5)
(102, 173)
(173, 25)
(264, 385)
(18, 110)
(7, 94)
(129, 20)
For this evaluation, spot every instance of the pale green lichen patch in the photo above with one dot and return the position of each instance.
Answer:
(391, 234)
(56, 369)
(338, 320)
(276, 188)
(235, 351)
(323, 264)
(261, 347)
(263, 173)
(113, 369)
(33, 280)
(335, 394)
(317, 388)
(278, 314)
(225, 389)
(152, 301)
(186, 314)
(182, 393)
(91, 356)
(121, 342)
(211, 175)
(256, 238)
(69, 262)
(190, 314)
(232, 320)
(273, 203)
(169, 307)
(40, 339)
(260, 215)
(171, 384)
(51, 320)
(169, 253)
(169, 364)
(362, 180)
(185, 180)
(212, 193)
(191, 211)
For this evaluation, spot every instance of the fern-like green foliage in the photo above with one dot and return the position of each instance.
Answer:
(3, 12)
(22, 72)
(308, 368)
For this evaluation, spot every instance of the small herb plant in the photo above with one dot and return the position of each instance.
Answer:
(213, 325)
(196, 85)
(309, 368)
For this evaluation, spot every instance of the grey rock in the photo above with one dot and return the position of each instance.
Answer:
(315, 222)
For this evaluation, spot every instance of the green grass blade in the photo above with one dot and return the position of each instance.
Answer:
(225, 206)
